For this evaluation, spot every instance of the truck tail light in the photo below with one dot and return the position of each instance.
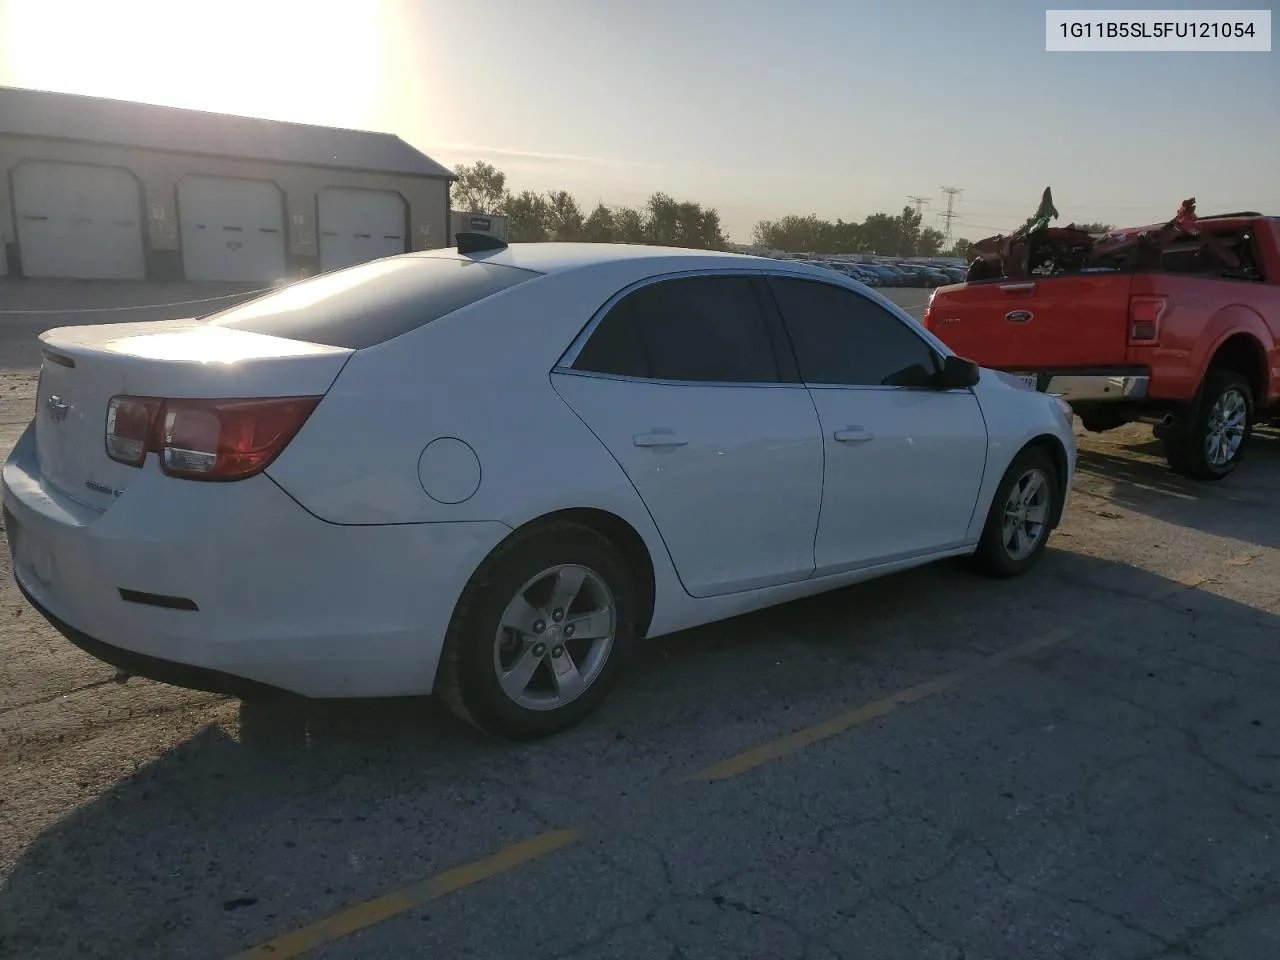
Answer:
(1145, 314)
(204, 439)
(926, 320)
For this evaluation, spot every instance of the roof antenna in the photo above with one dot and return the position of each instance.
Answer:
(478, 242)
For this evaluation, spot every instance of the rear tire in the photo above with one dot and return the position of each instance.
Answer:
(1210, 446)
(520, 661)
(1018, 522)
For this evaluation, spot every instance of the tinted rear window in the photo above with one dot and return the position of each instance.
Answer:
(370, 303)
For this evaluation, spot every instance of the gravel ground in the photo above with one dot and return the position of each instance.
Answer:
(1078, 764)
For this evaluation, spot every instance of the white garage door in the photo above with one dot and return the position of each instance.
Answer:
(359, 225)
(231, 229)
(77, 220)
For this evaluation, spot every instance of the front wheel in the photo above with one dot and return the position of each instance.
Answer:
(539, 634)
(1018, 522)
(1210, 446)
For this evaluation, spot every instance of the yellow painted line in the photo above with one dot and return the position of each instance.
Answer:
(374, 911)
(371, 912)
(841, 723)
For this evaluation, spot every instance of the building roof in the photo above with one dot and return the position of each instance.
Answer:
(65, 116)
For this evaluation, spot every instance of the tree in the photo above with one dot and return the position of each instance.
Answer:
(481, 187)
(629, 226)
(600, 226)
(683, 224)
(794, 233)
(661, 220)
(930, 241)
(960, 248)
(528, 216)
(880, 234)
(564, 216)
(908, 241)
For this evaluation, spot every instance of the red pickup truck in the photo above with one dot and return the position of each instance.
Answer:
(1174, 324)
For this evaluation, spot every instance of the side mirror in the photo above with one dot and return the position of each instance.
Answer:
(958, 373)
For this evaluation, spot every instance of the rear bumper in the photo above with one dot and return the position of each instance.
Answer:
(273, 597)
(1095, 388)
(154, 668)
(1091, 385)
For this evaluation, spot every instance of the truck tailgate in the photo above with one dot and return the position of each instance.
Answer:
(1041, 323)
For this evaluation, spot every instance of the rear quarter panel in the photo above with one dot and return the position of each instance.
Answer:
(1202, 314)
(481, 375)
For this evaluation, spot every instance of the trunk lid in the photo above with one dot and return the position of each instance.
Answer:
(1041, 323)
(84, 367)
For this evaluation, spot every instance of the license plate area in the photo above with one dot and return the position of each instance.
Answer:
(1032, 380)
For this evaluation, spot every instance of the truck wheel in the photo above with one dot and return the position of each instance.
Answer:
(1211, 445)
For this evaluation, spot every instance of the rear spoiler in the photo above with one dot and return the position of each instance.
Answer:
(1035, 245)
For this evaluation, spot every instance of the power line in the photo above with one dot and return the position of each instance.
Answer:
(952, 193)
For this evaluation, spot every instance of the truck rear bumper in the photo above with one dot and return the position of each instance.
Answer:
(1089, 384)
(1094, 388)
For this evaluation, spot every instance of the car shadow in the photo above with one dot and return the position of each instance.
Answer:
(1136, 477)
(232, 835)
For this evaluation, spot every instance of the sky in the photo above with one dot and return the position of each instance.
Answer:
(760, 108)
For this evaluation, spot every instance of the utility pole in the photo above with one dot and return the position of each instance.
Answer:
(952, 193)
(920, 202)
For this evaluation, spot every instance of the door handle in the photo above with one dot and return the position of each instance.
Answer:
(853, 435)
(658, 438)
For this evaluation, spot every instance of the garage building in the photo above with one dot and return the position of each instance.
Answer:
(106, 189)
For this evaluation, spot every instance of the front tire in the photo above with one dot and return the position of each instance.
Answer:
(1211, 445)
(1018, 522)
(540, 633)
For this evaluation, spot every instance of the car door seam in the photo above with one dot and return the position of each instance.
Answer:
(986, 461)
(630, 482)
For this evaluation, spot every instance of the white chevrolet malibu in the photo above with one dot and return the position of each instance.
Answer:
(486, 472)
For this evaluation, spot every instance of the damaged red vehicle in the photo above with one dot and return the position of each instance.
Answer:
(1173, 324)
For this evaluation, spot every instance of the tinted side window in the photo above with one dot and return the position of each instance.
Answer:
(699, 329)
(615, 346)
(843, 338)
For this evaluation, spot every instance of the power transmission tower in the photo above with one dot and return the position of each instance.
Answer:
(952, 193)
(920, 202)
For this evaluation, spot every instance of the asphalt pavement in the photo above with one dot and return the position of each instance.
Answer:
(1078, 764)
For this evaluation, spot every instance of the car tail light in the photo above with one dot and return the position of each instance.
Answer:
(928, 310)
(1144, 319)
(204, 439)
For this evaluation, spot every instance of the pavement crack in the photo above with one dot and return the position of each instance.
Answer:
(919, 925)
(1032, 889)
(1261, 896)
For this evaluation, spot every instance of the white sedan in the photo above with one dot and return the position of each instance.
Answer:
(487, 472)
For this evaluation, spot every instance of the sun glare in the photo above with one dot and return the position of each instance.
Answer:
(280, 59)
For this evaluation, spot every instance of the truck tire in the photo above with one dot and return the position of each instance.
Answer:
(1210, 446)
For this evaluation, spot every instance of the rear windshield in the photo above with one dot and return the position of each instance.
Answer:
(370, 303)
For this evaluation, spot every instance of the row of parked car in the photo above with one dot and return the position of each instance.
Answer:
(896, 274)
